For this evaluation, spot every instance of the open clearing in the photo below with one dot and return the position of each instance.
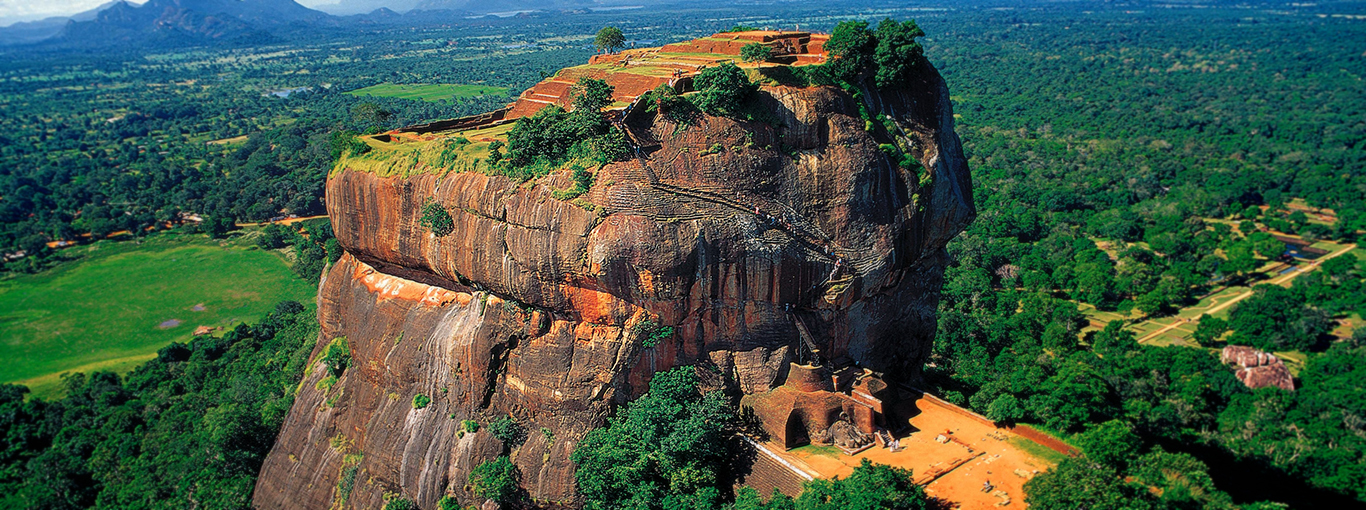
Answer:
(950, 451)
(103, 312)
(430, 92)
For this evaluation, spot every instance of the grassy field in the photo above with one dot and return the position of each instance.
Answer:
(110, 309)
(431, 92)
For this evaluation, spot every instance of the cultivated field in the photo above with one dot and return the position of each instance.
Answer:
(122, 302)
(431, 92)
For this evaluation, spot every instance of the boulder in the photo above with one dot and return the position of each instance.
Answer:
(1257, 369)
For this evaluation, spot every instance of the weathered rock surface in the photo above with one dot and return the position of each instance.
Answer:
(533, 306)
(1257, 369)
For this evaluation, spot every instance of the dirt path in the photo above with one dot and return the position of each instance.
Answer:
(1248, 293)
(286, 221)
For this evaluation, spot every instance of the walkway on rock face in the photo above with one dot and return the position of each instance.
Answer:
(811, 240)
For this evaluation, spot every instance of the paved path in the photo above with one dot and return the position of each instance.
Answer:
(1248, 293)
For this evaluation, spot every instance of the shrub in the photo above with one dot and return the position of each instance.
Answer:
(540, 143)
(665, 100)
(337, 356)
(495, 152)
(755, 52)
(508, 431)
(420, 401)
(437, 219)
(495, 479)
(651, 333)
(397, 502)
(273, 237)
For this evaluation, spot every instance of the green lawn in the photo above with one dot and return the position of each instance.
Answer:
(432, 92)
(108, 310)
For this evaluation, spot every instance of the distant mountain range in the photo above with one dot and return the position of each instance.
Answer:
(188, 21)
(470, 7)
(34, 31)
(121, 23)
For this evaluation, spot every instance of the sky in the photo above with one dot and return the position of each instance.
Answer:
(13, 11)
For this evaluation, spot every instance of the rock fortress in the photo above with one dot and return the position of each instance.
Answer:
(795, 260)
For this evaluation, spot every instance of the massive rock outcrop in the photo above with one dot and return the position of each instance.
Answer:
(730, 232)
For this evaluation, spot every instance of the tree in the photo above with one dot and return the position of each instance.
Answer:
(1239, 259)
(1266, 245)
(852, 45)
(755, 52)
(272, 237)
(369, 115)
(1080, 482)
(723, 89)
(1057, 338)
(1151, 303)
(218, 225)
(1006, 409)
(869, 487)
(609, 39)
(897, 51)
(1275, 318)
(1208, 330)
(1111, 443)
(668, 444)
(1183, 480)
(1114, 340)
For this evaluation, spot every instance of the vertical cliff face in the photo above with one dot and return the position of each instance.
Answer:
(730, 232)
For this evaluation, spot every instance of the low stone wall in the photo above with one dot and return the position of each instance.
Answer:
(1021, 430)
(483, 119)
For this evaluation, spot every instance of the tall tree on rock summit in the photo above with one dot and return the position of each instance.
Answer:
(609, 39)
(889, 54)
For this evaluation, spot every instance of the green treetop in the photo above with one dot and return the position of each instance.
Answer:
(609, 39)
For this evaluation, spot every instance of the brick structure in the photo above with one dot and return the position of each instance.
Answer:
(637, 71)
(813, 398)
(1257, 369)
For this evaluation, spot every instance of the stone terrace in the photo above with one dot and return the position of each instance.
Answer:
(632, 73)
(637, 71)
